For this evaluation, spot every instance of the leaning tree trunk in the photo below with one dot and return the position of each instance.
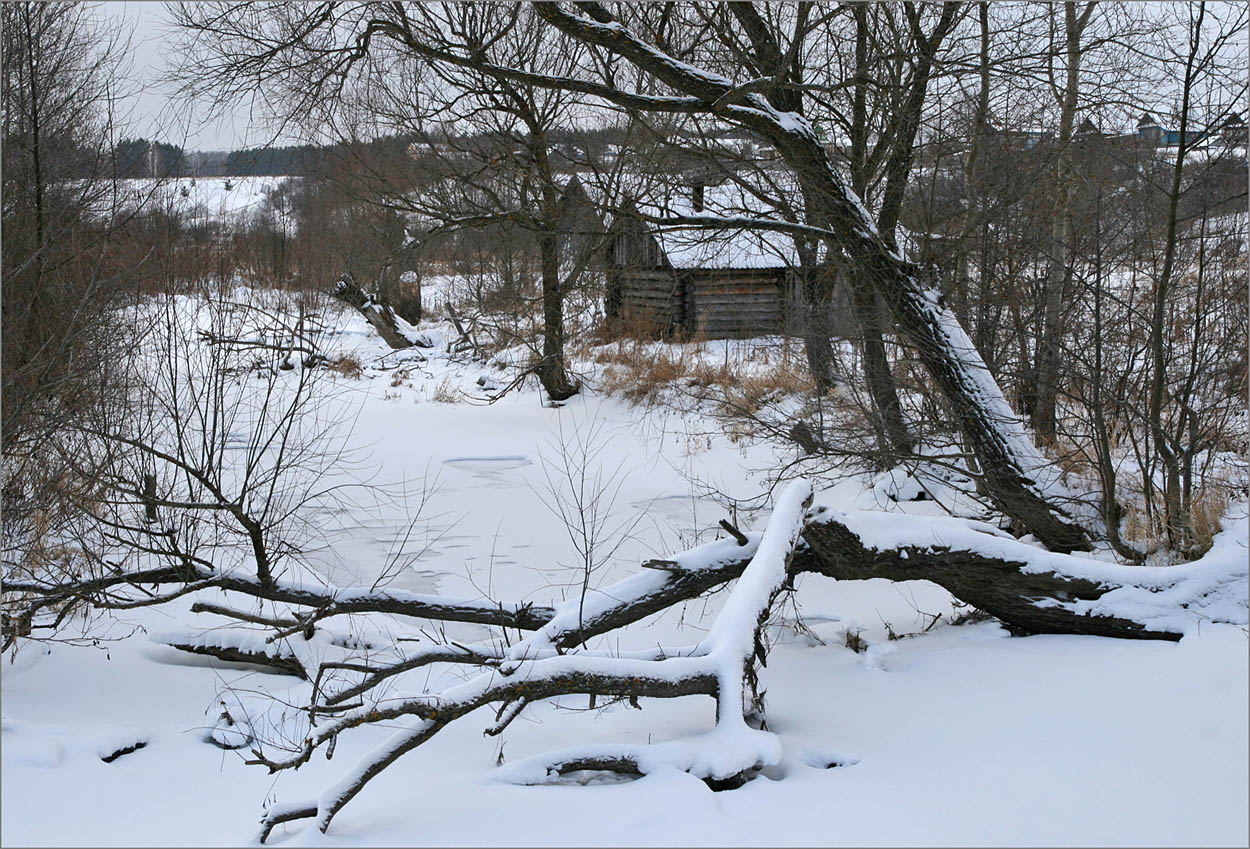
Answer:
(377, 312)
(1009, 462)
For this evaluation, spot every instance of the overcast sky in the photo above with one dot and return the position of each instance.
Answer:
(157, 111)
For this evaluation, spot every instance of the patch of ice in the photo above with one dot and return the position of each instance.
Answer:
(488, 468)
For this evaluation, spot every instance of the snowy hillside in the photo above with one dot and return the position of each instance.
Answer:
(201, 200)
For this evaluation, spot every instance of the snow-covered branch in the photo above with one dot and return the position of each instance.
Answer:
(1035, 590)
(721, 666)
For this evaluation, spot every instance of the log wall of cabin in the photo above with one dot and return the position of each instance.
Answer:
(718, 303)
(841, 320)
(736, 303)
(647, 296)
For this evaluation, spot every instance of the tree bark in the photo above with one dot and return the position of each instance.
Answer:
(818, 290)
(551, 370)
(894, 439)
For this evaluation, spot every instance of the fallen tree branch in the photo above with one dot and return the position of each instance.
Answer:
(256, 619)
(334, 601)
(722, 667)
(379, 314)
(734, 532)
(284, 664)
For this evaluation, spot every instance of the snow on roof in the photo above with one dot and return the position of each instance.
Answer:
(736, 248)
(716, 247)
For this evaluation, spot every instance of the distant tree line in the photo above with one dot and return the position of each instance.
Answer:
(142, 157)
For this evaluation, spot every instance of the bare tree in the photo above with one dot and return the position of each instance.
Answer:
(899, 101)
(1009, 464)
(62, 81)
(1075, 21)
(501, 176)
(1174, 446)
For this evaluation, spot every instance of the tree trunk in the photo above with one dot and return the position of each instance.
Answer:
(894, 439)
(550, 370)
(1173, 517)
(36, 137)
(1109, 504)
(818, 291)
(378, 313)
(999, 587)
(974, 211)
(1060, 226)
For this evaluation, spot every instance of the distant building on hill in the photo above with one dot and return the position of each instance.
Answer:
(1230, 133)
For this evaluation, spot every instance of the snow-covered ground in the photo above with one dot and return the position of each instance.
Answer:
(954, 735)
(201, 200)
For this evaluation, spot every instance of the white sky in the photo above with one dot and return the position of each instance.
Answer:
(159, 113)
(156, 111)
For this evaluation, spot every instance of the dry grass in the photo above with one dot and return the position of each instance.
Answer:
(401, 377)
(1206, 510)
(642, 372)
(641, 377)
(749, 393)
(445, 393)
(1205, 513)
(346, 366)
(628, 327)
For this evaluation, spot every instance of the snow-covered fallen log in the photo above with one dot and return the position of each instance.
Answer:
(237, 646)
(1030, 588)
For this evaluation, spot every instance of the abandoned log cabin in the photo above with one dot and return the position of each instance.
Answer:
(718, 283)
